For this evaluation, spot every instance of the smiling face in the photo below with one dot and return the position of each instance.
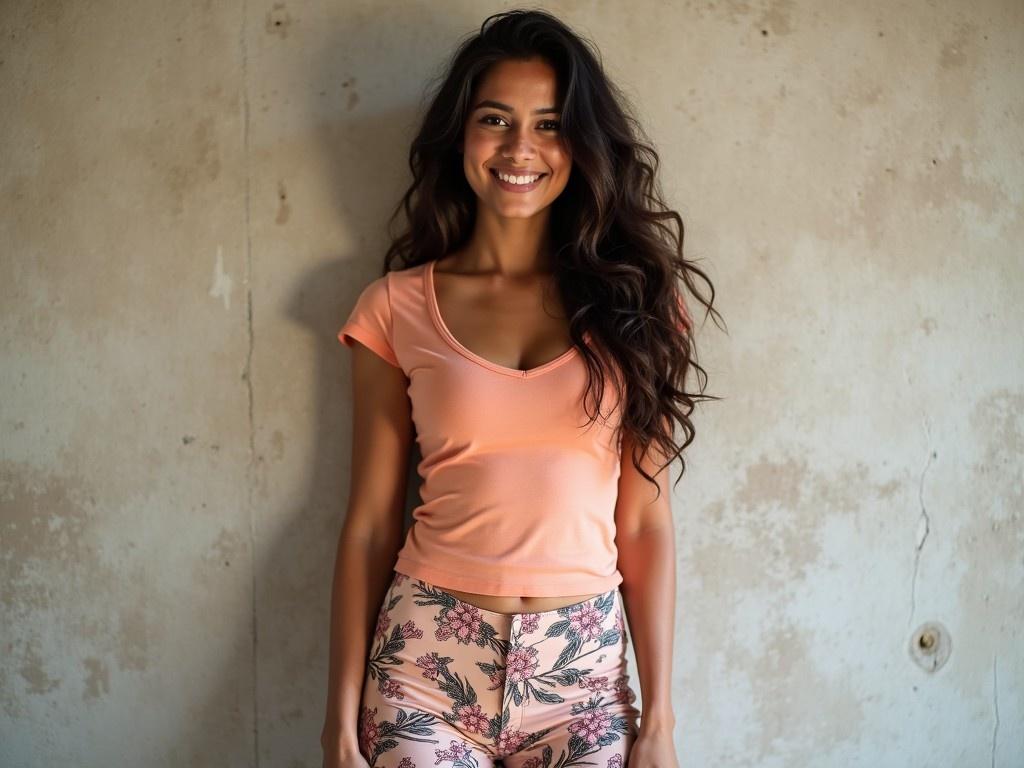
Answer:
(513, 130)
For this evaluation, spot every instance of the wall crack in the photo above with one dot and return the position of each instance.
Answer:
(923, 520)
(247, 376)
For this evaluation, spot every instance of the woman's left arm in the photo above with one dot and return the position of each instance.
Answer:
(647, 560)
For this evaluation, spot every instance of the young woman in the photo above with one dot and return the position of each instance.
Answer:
(536, 342)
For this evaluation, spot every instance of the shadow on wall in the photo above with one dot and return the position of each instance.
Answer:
(362, 154)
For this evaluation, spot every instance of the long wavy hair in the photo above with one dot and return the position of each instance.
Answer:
(618, 249)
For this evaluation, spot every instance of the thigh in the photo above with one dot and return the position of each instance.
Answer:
(563, 747)
(432, 691)
(410, 738)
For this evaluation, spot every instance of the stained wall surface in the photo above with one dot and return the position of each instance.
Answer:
(193, 195)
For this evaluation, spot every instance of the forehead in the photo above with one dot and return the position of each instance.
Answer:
(527, 82)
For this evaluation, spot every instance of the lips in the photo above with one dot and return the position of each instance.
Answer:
(507, 186)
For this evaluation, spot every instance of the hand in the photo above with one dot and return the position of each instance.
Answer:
(653, 748)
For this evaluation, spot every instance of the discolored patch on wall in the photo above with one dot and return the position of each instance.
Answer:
(97, 678)
(49, 525)
(989, 542)
(201, 163)
(941, 182)
(774, 17)
(133, 637)
(996, 421)
(954, 52)
(828, 710)
(184, 159)
(763, 540)
(213, 92)
(277, 445)
(225, 549)
(278, 21)
(32, 668)
(43, 521)
(352, 98)
(284, 210)
(780, 505)
(772, 483)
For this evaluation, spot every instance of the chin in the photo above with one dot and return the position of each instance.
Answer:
(517, 211)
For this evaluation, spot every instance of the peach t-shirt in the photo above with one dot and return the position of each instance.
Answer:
(518, 492)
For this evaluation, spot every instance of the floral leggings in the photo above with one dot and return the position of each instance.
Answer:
(448, 682)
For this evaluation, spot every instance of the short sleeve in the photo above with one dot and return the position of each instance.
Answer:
(370, 321)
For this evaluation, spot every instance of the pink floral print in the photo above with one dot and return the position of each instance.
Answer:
(538, 690)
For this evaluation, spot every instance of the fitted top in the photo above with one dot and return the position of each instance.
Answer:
(518, 491)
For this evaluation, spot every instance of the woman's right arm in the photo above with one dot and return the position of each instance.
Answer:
(369, 541)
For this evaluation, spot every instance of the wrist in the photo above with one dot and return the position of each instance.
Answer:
(657, 722)
(339, 737)
(350, 747)
(341, 746)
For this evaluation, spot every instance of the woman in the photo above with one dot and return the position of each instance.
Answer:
(536, 341)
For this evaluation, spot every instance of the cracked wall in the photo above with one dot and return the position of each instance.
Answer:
(194, 196)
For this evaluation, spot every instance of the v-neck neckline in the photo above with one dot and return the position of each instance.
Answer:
(435, 314)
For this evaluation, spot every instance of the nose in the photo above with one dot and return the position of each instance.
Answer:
(519, 146)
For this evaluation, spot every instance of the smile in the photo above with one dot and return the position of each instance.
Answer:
(511, 184)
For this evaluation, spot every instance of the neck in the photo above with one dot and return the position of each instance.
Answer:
(508, 245)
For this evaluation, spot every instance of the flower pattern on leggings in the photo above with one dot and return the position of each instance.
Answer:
(376, 737)
(550, 686)
(582, 623)
(386, 647)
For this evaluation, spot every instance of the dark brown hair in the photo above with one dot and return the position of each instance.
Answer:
(618, 249)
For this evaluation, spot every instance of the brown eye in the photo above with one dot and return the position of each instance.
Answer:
(547, 125)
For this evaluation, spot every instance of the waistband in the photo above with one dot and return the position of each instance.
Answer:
(604, 596)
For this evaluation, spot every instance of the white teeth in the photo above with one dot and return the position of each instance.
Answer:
(517, 179)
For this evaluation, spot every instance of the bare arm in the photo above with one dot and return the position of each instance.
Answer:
(370, 537)
(646, 542)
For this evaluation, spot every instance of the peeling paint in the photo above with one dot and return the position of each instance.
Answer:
(222, 283)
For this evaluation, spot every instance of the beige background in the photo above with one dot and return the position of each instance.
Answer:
(194, 194)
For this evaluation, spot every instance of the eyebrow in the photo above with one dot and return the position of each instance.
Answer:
(498, 105)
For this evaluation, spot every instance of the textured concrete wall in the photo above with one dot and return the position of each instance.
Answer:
(193, 195)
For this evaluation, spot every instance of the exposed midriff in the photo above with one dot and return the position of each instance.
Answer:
(510, 605)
